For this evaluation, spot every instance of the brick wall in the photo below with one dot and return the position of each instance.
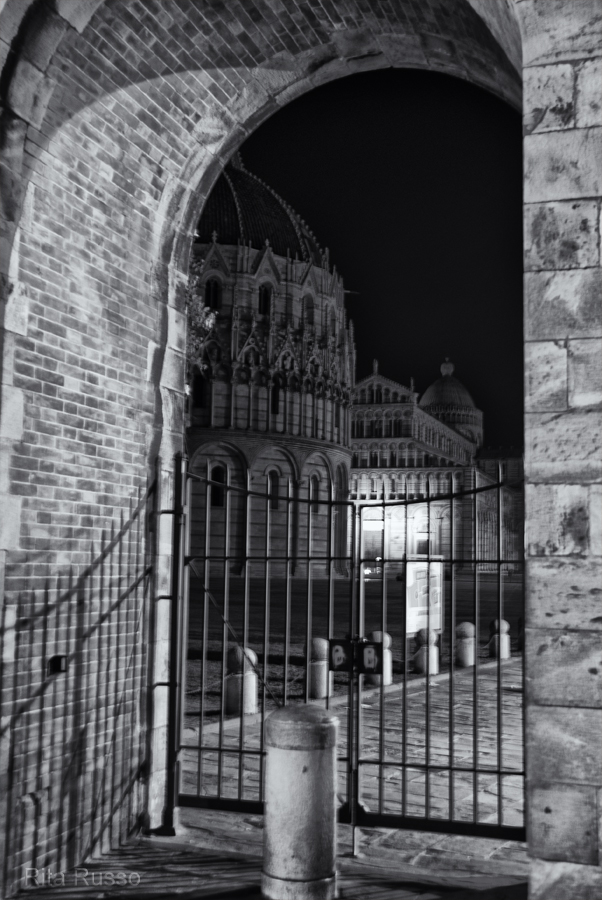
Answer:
(562, 55)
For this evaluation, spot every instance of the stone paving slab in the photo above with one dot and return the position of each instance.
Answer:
(168, 868)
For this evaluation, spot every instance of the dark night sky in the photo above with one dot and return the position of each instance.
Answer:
(413, 180)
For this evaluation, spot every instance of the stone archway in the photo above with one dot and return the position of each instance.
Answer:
(118, 119)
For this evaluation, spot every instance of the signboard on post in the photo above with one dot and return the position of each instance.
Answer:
(367, 655)
(370, 658)
(340, 655)
(424, 588)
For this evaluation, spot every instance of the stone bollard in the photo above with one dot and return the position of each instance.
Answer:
(385, 638)
(241, 682)
(500, 637)
(320, 679)
(465, 644)
(299, 833)
(427, 643)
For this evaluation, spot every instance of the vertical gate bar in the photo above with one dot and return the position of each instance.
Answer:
(383, 625)
(183, 607)
(427, 748)
(330, 544)
(225, 620)
(89, 681)
(99, 681)
(499, 653)
(475, 679)
(118, 648)
(452, 658)
(137, 621)
(524, 659)
(404, 729)
(266, 633)
(287, 606)
(126, 757)
(247, 594)
(109, 643)
(245, 641)
(308, 592)
(351, 754)
(359, 677)
(205, 622)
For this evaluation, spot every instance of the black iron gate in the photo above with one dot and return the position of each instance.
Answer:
(434, 740)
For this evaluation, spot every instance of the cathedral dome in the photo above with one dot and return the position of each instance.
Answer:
(243, 209)
(446, 391)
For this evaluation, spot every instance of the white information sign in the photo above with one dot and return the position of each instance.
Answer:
(419, 593)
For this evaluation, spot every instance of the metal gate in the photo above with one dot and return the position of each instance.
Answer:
(434, 740)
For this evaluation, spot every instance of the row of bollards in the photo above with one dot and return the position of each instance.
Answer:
(242, 681)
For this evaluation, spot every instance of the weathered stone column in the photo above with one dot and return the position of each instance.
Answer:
(562, 59)
(299, 843)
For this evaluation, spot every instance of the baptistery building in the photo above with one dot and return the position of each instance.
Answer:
(271, 368)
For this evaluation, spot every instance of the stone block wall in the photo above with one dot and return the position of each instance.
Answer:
(562, 58)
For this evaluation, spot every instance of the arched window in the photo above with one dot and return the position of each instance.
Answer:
(265, 299)
(308, 304)
(333, 322)
(218, 491)
(354, 461)
(213, 293)
(275, 407)
(273, 489)
(379, 394)
(374, 458)
(200, 391)
(314, 493)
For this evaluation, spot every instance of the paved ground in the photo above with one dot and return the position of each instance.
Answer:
(218, 855)
(451, 869)
(460, 733)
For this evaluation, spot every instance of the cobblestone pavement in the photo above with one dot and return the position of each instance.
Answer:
(456, 736)
(218, 854)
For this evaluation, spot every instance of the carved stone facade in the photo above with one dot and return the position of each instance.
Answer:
(271, 365)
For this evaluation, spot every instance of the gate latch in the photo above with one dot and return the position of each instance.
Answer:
(355, 654)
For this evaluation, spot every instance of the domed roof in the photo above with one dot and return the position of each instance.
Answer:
(446, 391)
(242, 208)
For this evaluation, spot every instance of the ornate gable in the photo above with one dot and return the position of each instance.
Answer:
(265, 264)
(214, 259)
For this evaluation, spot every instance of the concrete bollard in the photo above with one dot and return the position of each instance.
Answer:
(241, 682)
(465, 644)
(320, 679)
(427, 644)
(499, 642)
(385, 638)
(299, 833)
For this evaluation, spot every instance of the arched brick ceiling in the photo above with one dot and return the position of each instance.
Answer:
(150, 93)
